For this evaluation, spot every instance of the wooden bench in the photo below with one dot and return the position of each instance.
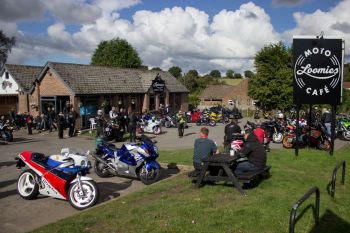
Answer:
(253, 176)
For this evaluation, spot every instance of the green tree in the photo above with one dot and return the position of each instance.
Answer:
(346, 72)
(190, 80)
(272, 85)
(175, 71)
(215, 74)
(237, 75)
(117, 53)
(156, 68)
(6, 43)
(229, 73)
(249, 74)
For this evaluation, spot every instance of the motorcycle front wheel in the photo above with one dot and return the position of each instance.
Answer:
(288, 141)
(148, 177)
(324, 145)
(84, 197)
(346, 135)
(27, 186)
(212, 123)
(156, 130)
(101, 169)
(277, 137)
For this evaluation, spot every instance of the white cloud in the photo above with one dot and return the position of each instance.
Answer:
(334, 22)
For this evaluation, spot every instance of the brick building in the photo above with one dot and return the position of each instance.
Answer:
(16, 82)
(214, 95)
(88, 87)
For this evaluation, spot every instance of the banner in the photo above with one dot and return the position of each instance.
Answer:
(318, 70)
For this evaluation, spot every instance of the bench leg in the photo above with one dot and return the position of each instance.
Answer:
(234, 180)
(201, 176)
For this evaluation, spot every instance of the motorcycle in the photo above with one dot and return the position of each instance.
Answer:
(274, 131)
(149, 126)
(343, 129)
(316, 138)
(112, 131)
(132, 160)
(6, 131)
(59, 176)
(170, 121)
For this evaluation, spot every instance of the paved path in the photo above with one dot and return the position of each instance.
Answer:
(15, 211)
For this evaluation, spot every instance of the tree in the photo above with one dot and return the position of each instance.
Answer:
(237, 75)
(156, 68)
(272, 85)
(249, 74)
(117, 53)
(346, 72)
(175, 71)
(6, 43)
(215, 74)
(229, 73)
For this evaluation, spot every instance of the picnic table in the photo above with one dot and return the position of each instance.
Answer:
(224, 162)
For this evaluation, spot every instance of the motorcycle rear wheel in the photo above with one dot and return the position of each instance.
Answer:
(286, 142)
(89, 197)
(101, 170)
(148, 177)
(27, 186)
(167, 124)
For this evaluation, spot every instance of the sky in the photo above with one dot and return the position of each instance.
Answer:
(192, 34)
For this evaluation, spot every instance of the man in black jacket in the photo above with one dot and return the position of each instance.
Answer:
(255, 153)
(230, 131)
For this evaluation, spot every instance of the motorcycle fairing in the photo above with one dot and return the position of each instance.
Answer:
(54, 185)
(125, 156)
(152, 164)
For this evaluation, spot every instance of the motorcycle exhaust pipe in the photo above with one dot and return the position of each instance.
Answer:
(104, 162)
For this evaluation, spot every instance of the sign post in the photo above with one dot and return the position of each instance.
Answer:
(318, 74)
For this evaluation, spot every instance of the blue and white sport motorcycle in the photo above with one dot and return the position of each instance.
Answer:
(136, 160)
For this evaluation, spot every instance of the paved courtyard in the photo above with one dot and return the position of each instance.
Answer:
(16, 211)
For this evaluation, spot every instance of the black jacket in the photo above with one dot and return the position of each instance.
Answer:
(231, 129)
(255, 151)
(327, 117)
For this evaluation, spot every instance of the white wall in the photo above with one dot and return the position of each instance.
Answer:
(11, 86)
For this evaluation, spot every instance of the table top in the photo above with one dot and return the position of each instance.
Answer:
(220, 158)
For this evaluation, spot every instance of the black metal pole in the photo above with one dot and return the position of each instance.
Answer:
(332, 130)
(309, 124)
(297, 132)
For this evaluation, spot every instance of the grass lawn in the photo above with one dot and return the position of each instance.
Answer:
(174, 205)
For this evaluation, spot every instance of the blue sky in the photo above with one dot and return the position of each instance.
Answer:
(193, 34)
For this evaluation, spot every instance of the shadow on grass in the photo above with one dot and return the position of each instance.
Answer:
(330, 222)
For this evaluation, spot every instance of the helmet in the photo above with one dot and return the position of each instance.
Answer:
(100, 112)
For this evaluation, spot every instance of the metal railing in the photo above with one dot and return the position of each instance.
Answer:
(293, 212)
(334, 176)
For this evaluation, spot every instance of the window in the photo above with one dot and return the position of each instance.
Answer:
(6, 75)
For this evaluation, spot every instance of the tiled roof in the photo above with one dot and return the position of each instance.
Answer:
(24, 75)
(89, 79)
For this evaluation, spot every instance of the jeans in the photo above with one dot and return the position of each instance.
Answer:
(245, 167)
(328, 127)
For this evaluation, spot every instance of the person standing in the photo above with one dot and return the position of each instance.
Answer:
(230, 131)
(72, 116)
(100, 123)
(61, 121)
(29, 123)
(51, 115)
(181, 124)
(132, 126)
(326, 120)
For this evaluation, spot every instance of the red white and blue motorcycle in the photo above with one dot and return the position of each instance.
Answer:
(59, 176)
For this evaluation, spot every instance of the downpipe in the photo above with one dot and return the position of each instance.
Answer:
(105, 163)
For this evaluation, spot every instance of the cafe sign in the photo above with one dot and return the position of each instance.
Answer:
(158, 85)
(318, 70)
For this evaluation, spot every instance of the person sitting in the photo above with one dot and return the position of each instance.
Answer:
(259, 132)
(203, 147)
(255, 153)
(231, 130)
